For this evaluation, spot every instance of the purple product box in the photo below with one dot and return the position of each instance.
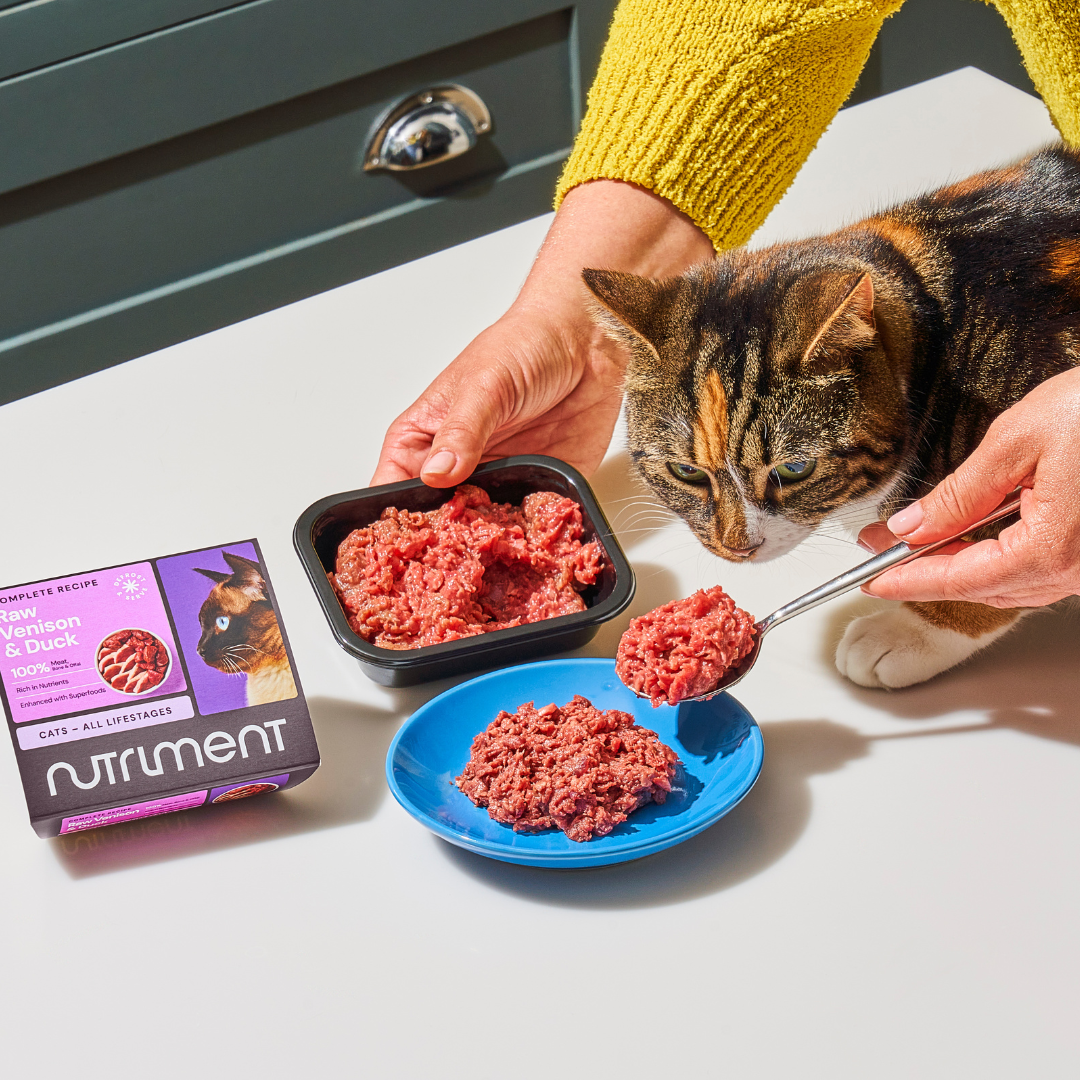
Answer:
(151, 687)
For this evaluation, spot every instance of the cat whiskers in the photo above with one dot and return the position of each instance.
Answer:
(245, 645)
(641, 515)
(644, 515)
(643, 526)
(640, 504)
(641, 495)
(239, 663)
(231, 667)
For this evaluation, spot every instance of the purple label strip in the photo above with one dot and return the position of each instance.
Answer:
(89, 725)
(132, 812)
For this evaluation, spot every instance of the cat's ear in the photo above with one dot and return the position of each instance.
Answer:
(213, 575)
(631, 303)
(848, 326)
(246, 576)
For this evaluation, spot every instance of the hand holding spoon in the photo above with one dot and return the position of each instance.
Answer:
(896, 555)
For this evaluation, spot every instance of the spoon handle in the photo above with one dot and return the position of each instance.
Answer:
(872, 568)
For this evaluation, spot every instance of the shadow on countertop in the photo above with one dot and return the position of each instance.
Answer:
(1028, 683)
(756, 834)
(348, 787)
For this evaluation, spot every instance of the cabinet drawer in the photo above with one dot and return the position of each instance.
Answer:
(132, 253)
(182, 78)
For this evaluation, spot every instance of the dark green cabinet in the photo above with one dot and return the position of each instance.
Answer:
(162, 180)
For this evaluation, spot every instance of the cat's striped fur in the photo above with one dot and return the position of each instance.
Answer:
(880, 352)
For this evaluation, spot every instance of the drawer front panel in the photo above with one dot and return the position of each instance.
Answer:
(260, 181)
(183, 78)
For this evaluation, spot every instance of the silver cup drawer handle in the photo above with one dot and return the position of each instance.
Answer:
(423, 129)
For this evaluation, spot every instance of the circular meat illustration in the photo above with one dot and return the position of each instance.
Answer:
(245, 791)
(133, 661)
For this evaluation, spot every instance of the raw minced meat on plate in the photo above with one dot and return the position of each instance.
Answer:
(574, 768)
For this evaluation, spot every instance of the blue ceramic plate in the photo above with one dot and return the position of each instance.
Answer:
(717, 741)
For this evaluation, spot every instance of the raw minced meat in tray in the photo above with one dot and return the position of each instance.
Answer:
(468, 567)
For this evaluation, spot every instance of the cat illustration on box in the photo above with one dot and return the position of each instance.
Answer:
(770, 390)
(240, 631)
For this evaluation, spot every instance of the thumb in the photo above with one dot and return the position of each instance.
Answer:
(459, 442)
(994, 470)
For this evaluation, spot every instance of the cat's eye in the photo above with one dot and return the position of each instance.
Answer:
(222, 622)
(689, 474)
(794, 470)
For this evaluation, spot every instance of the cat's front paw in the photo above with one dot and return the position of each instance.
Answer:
(896, 648)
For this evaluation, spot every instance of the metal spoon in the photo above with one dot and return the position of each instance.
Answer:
(845, 582)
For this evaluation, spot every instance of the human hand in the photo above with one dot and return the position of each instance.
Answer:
(530, 384)
(1034, 445)
(544, 379)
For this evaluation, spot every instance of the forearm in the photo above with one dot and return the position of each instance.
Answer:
(604, 224)
(715, 104)
(611, 225)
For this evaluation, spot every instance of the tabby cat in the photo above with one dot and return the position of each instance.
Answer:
(769, 389)
(240, 632)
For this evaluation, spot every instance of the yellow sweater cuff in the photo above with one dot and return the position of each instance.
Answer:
(1048, 34)
(715, 104)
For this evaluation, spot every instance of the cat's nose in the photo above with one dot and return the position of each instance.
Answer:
(745, 553)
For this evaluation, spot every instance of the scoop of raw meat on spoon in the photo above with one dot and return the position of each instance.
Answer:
(699, 665)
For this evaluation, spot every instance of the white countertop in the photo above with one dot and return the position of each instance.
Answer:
(897, 897)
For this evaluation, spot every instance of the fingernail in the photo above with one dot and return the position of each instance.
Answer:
(441, 463)
(907, 520)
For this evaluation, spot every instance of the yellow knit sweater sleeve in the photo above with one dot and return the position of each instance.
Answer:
(1048, 34)
(715, 104)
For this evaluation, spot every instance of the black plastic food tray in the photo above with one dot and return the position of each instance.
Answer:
(323, 525)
